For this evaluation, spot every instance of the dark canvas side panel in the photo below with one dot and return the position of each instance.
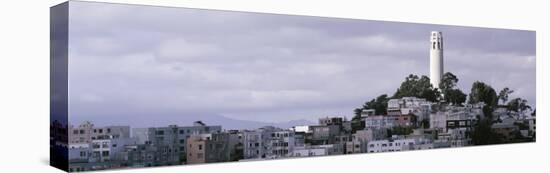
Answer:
(59, 18)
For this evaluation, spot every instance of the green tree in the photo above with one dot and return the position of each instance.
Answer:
(504, 93)
(483, 134)
(482, 92)
(380, 104)
(357, 112)
(518, 105)
(356, 122)
(455, 96)
(420, 87)
(448, 81)
(448, 87)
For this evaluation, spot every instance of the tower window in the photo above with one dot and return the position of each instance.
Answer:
(433, 46)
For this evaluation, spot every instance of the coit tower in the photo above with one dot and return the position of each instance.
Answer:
(436, 58)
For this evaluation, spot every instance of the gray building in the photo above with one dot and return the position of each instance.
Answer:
(256, 142)
(324, 134)
(86, 132)
(171, 141)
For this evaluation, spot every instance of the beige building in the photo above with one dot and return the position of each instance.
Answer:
(208, 148)
(196, 150)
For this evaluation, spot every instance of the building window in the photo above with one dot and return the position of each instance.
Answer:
(200, 147)
(160, 132)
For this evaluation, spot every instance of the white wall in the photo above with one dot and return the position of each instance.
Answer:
(24, 82)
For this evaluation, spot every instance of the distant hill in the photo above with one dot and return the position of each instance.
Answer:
(165, 120)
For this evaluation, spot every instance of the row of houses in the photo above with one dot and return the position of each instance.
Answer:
(96, 148)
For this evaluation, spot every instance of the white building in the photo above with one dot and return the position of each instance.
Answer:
(304, 129)
(403, 144)
(79, 152)
(380, 121)
(281, 143)
(436, 58)
(389, 145)
(410, 105)
(368, 112)
(456, 117)
(438, 120)
(86, 132)
(103, 150)
(254, 144)
(313, 150)
(370, 134)
(406, 102)
(268, 142)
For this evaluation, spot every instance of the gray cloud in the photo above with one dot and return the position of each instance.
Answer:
(130, 60)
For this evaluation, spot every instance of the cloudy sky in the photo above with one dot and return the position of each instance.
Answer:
(160, 63)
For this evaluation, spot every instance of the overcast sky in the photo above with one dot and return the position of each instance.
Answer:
(169, 63)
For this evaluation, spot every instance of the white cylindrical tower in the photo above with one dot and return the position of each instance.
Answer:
(436, 58)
